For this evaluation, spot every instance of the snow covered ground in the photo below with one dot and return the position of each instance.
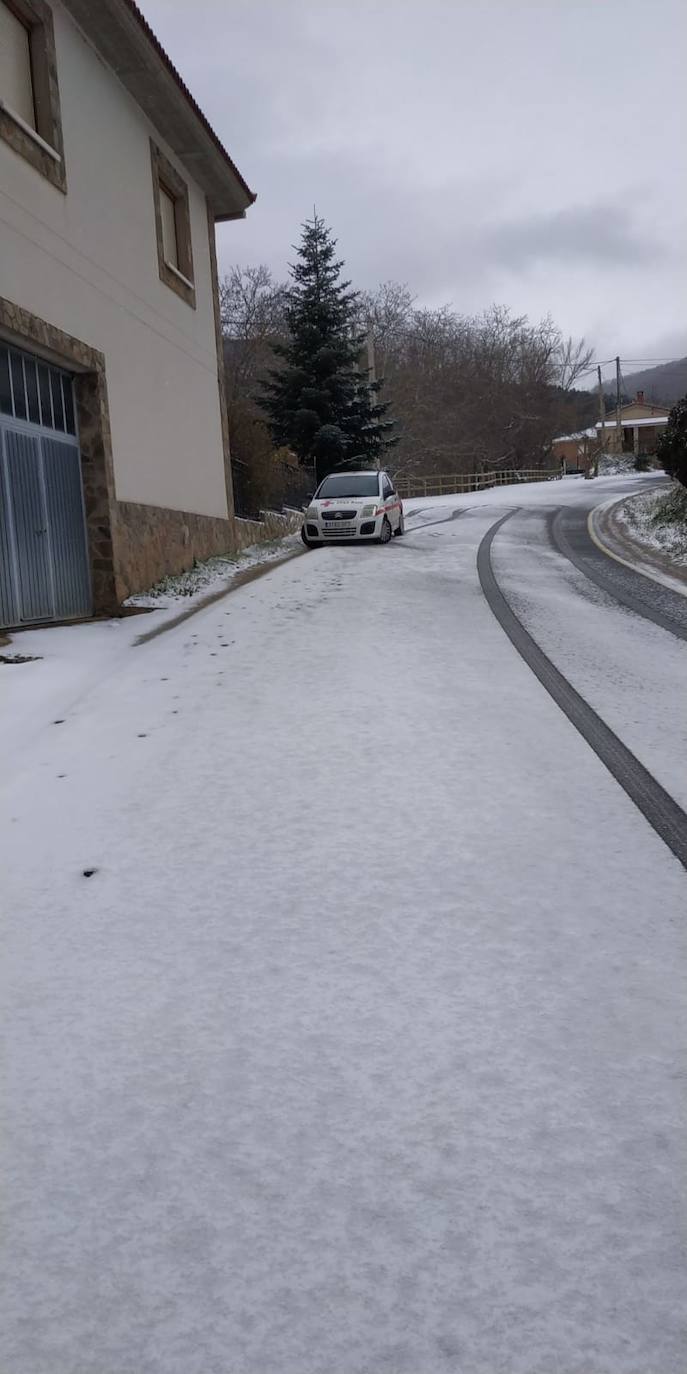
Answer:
(64, 662)
(658, 519)
(210, 577)
(362, 1047)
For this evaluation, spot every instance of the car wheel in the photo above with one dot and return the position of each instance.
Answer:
(386, 531)
(309, 543)
(401, 526)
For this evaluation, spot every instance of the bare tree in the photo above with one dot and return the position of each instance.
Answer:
(252, 311)
(253, 316)
(573, 359)
(468, 392)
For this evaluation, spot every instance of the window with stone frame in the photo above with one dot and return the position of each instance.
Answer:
(172, 227)
(30, 120)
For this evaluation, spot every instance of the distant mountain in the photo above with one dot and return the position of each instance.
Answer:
(662, 385)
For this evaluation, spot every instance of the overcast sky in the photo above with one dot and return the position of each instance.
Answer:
(530, 152)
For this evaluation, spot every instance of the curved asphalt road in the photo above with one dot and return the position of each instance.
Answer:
(622, 589)
(657, 806)
(570, 536)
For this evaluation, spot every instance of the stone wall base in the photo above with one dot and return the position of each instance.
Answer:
(271, 525)
(152, 542)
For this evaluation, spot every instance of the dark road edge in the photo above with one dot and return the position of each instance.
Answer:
(592, 568)
(656, 805)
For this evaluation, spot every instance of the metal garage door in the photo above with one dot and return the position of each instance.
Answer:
(44, 569)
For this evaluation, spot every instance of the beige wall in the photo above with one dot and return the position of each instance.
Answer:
(637, 410)
(87, 263)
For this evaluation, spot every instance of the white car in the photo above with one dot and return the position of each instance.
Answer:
(353, 505)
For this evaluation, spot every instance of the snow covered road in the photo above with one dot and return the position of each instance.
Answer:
(362, 1049)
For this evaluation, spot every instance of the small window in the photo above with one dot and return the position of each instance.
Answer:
(16, 81)
(32, 391)
(44, 392)
(5, 388)
(68, 398)
(30, 119)
(57, 403)
(172, 227)
(169, 227)
(17, 372)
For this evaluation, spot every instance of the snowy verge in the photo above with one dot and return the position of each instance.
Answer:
(657, 520)
(47, 670)
(211, 576)
(616, 464)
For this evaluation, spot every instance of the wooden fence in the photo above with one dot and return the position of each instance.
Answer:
(459, 482)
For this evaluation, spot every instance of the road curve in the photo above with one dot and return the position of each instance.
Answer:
(657, 806)
(569, 534)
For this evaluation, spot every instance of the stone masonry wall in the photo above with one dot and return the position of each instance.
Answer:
(272, 525)
(152, 543)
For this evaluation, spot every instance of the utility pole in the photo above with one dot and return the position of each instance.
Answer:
(371, 370)
(371, 354)
(602, 417)
(618, 416)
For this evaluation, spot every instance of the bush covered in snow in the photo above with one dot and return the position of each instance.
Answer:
(659, 519)
(672, 445)
(615, 464)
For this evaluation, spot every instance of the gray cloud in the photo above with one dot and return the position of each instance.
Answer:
(602, 234)
(480, 150)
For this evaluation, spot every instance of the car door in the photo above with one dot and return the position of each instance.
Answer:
(390, 501)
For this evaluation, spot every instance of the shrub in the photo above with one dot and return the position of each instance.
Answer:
(671, 450)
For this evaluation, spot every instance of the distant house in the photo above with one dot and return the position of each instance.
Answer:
(641, 424)
(114, 449)
(574, 451)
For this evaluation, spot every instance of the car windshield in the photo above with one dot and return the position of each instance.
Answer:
(356, 484)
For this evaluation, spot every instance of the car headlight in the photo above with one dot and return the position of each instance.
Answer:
(311, 513)
(368, 510)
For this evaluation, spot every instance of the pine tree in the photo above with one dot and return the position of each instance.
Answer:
(671, 449)
(318, 402)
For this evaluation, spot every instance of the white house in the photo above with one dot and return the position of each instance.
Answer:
(114, 450)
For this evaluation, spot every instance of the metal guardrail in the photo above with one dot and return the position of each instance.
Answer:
(457, 483)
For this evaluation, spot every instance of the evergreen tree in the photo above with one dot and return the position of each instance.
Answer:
(671, 449)
(318, 402)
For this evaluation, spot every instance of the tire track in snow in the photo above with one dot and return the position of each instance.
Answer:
(427, 524)
(656, 805)
(568, 534)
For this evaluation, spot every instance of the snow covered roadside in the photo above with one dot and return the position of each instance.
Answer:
(657, 520)
(215, 575)
(65, 662)
(616, 465)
